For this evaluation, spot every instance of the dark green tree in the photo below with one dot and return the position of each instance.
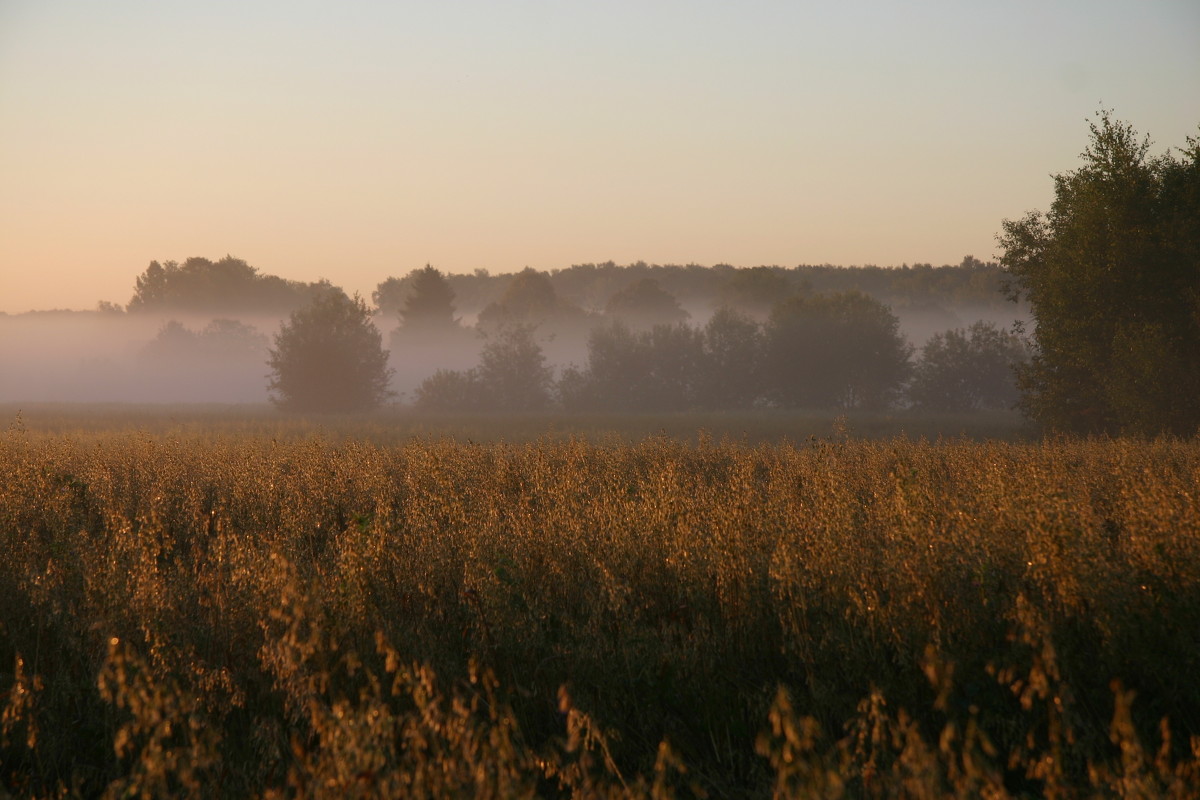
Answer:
(612, 380)
(512, 371)
(654, 370)
(1112, 274)
(329, 357)
(963, 370)
(840, 350)
(731, 370)
(674, 362)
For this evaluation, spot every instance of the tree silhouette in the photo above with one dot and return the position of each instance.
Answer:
(329, 357)
(529, 300)
(644, 304)
(654, 370)
(1112, 274)
(511, 376)
(962, 370)
(513, 373)
(731, 374)
(756, 290)
(429, 307)
(839, 350)
(227, 286)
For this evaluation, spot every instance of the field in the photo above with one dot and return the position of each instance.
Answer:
(266, 608)
(392, 426)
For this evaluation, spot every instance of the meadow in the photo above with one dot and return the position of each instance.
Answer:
(278, 609)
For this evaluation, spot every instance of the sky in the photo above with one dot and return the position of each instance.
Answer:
(359, 140)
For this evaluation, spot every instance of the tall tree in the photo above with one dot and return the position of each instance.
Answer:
(731, 373)
(329, 357)
(1112, 274)
(511, 376)
(429, 305)
(962, 370)
(513, 373)
(838, 350)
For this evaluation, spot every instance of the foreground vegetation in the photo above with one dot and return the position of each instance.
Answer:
(262, 616)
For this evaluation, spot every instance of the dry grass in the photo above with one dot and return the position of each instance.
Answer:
(242, 616)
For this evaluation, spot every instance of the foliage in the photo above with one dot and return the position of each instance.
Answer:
(835, 350)
(220, 340)
(389, 294)
(513, 372)
(222, 616)
(423, 300)
(733, 354)
(1112, 273)
(529, 300)
(819, 352)
(627, 370)
(228, 286)
(329, 357)
(511, 376)
(450, 390)
(964, 370)
(756, 290)
(644, 304)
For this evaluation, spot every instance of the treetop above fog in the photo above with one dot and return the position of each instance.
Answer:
(1112, 275)
(227, 286)
(230, 286)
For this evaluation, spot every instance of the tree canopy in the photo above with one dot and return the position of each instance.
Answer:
(429, 306)
(644, 304)
(511, 376)
(838, 350)
(962, 370)
(529, 300)
(227, 286)
(329, 357)
(1112, 275)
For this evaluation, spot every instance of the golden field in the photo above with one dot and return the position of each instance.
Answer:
(190, 614)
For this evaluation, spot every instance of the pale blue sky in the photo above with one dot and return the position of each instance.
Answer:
(358, 140)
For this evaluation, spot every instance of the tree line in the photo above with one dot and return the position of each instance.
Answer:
(1111, 275)
(834, 350)
(231, 287)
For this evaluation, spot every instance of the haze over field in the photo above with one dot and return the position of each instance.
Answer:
(203, 331)
(359, 141)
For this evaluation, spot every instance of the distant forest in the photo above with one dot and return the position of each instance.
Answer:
(588, 337)
(231, 287)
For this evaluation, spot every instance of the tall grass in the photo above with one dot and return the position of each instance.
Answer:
(248, 616)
